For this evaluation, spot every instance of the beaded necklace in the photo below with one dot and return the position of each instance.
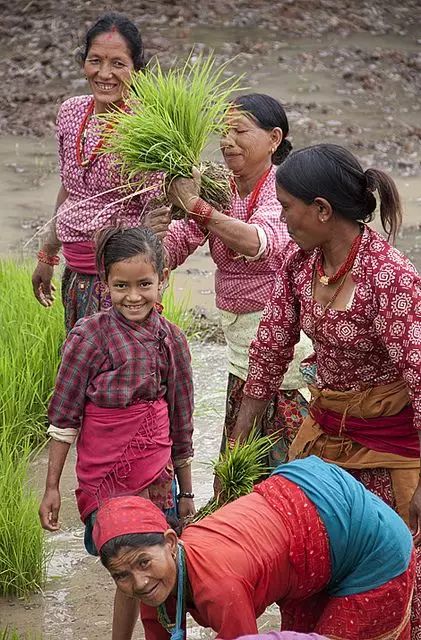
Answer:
(343, 269)
(81, 140)
(175, 629)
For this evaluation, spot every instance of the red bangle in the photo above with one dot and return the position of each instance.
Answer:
(201, 213)
(46, 259)
(231, 443)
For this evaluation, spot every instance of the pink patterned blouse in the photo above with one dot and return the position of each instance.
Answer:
(78, 218)
(241, 285)
(375, 341)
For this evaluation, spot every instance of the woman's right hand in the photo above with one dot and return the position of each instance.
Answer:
(158, 221)
(42, 285)
(49, 510)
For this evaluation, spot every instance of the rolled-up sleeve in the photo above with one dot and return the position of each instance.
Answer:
(182, 239)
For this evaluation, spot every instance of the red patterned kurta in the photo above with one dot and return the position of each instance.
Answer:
(375, 341)
(241, 285)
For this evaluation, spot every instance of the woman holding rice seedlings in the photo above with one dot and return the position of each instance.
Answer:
(359, 300)
(247, 243)
(334, 557)
(124, 390)
(91, 193)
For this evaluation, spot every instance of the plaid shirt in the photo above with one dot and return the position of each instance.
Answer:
(114, 362)
(241, 285)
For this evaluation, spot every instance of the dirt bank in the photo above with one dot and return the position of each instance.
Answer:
(346, 70)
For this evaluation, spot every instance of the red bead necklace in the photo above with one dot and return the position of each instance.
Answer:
(82, 135)
(343, 269)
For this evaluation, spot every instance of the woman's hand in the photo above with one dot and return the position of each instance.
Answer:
(184, 191)
(49, 510)
(42, 285)
(415, 515)
(158, 221)
(186, 510)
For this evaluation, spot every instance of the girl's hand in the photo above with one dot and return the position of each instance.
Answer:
(186, 510)
(42, 285)
(49, 510)
(158, 221)
(183, 192)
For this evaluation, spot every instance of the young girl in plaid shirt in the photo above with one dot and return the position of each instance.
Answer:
(123, 391)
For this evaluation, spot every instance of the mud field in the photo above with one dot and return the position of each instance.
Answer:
(347, 71)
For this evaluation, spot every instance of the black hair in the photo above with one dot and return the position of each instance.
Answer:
(133, 540)
(332, 172)
(114, 244)
(268, 114)
(125, 27)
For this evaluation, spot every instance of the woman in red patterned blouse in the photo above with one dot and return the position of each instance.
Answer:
(91, 188)
(359, 300)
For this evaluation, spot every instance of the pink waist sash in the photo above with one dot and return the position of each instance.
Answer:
(120, 451)
(80, 257)
(388, 434)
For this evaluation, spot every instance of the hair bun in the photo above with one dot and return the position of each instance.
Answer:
(282, 152)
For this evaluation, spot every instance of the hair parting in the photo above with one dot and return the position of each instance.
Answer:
(115, 244)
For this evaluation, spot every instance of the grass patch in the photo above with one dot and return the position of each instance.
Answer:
(22, 543)
(12, 634)
(30, 339)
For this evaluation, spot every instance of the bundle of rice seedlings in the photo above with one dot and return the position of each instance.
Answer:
(238, 469)
(169, 120)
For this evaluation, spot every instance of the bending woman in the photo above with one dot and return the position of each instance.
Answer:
(113, 49)
(247, 244)
(333, 556)
(359, 300)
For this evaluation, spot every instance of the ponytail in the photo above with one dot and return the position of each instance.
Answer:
(390, 202)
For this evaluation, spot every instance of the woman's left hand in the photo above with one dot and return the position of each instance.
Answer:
(182, 192)
(415, 515)
(186, 510)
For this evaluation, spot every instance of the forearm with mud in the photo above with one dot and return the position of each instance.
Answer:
(56, 458)
(52, 244)
(249, 415)
(239, 236)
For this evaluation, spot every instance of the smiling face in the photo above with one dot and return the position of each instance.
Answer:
(108, 67)
(134, 287)
(146, 573)
(246, 147)
(305, 222)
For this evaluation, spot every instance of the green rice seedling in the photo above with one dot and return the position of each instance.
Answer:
(12, 634)
(169, 121)
(30, 340)
(22, 545)
(238, 469)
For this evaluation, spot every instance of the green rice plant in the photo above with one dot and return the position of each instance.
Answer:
(177, 310)
(169, 122)
(23, 554)
(238, 469)
(12, 634)
(30, 340)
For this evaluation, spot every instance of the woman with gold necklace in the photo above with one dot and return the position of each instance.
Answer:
(359, 300)
(90, 187)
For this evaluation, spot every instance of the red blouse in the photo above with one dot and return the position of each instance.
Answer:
(376, 341)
